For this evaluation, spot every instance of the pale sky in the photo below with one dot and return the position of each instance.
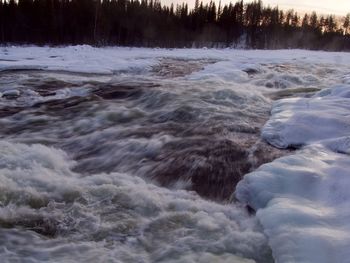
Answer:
(336, 7)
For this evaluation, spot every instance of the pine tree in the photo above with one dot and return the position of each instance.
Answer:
(295, 20)
(330, 25)
(148, 23)
(314, 20)
(346, 24)
(305, 22)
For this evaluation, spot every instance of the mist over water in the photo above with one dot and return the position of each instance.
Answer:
(138, 165)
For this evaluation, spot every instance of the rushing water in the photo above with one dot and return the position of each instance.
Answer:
(180, 134)
(133, 166)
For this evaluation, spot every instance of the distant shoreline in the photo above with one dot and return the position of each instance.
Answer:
(150, 24)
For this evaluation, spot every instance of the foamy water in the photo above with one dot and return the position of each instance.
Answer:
(133, 155)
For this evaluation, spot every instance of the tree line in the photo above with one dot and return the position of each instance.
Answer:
(147, 23)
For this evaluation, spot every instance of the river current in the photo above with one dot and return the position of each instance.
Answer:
(136, 166)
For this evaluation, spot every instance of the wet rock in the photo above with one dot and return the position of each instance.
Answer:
(251, 71)
(182, 114)
(49, 87)
(262, 152)
(121, 91)
(213, 166)
(8, 111)
(288, 93)
(172, 68)
(118, 92)
(44, 226)
(269, 85)
(11, 94)
(66, 103)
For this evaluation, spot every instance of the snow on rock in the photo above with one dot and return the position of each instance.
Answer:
(302, 201)
(10, 93)
(301, 121)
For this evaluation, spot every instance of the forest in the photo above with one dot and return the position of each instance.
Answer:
(148, 23)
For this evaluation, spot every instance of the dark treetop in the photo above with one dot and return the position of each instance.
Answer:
(149, 24)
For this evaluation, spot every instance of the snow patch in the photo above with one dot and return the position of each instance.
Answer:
(302, 202)
(301, 121)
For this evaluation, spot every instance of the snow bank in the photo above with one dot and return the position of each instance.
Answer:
(87, 59)
(300, 121)
(302, 200)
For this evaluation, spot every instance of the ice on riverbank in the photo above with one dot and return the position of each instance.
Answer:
(302, 121)
(303, 200)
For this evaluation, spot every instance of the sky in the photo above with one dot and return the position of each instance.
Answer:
(336, 7)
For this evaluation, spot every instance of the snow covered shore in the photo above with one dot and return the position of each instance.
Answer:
(303, 200)
(87, 59)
